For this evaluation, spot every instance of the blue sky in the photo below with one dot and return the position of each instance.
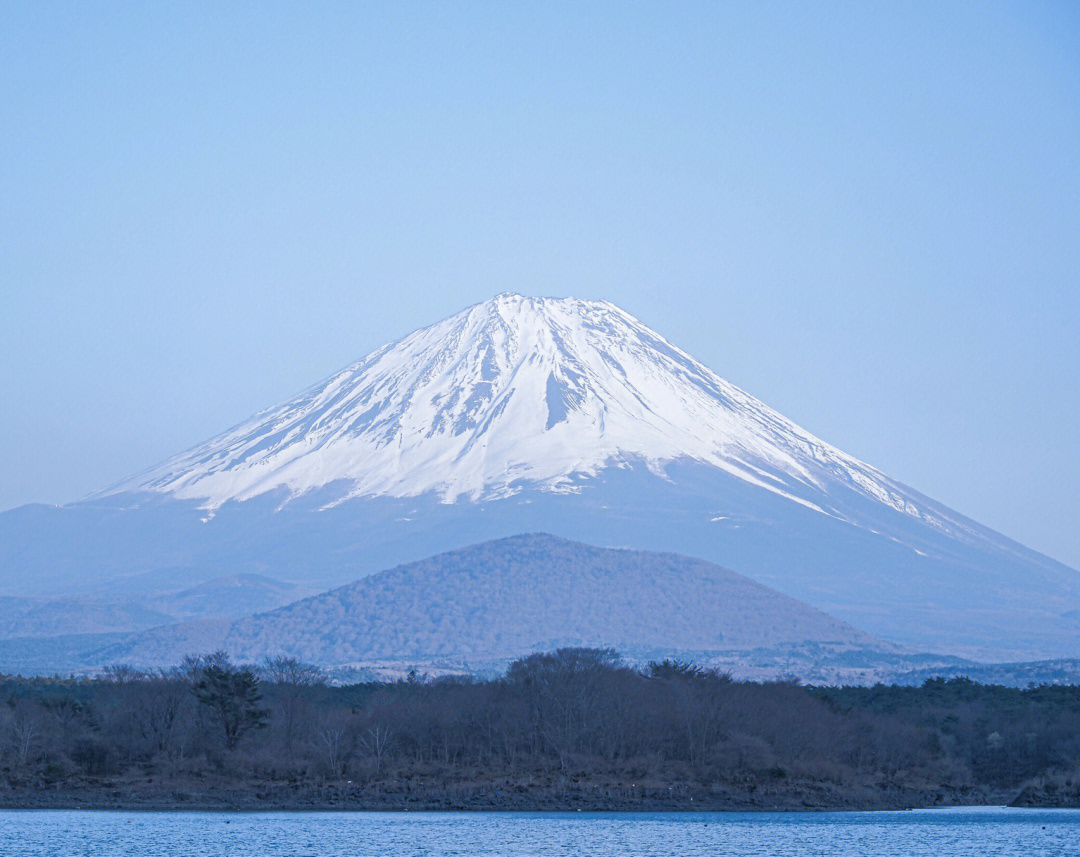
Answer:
(867, 215)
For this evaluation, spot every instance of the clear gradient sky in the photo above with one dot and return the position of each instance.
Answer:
(867, 215)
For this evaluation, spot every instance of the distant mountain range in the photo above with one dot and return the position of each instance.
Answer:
(473, 610)
(477, 608)
(531, 414)
(121, 607)
(505, 598)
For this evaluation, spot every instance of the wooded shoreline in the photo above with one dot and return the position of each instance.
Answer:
(568, 730)
(336, 799)
(333, 801)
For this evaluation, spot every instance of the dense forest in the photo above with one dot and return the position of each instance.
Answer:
(570, 729)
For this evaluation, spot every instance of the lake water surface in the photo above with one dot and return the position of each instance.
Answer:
(987, 832)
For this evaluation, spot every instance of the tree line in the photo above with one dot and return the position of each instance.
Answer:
(570, 720)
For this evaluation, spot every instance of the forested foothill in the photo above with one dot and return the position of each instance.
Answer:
(569, 729)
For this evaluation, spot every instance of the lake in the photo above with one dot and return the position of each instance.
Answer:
(936, 833)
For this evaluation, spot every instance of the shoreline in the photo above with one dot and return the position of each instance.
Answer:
(334, 800)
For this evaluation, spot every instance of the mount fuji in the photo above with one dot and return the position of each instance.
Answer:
(515, 392)
(571, 417)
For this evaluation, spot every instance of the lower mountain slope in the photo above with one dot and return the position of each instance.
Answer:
(921, 589)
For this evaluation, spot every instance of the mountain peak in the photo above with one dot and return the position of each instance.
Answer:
(516, 391)
(525, 310)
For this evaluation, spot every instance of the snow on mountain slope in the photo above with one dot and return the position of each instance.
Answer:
(519, 391)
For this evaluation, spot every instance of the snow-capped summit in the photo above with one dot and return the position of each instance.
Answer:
(511, 392)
